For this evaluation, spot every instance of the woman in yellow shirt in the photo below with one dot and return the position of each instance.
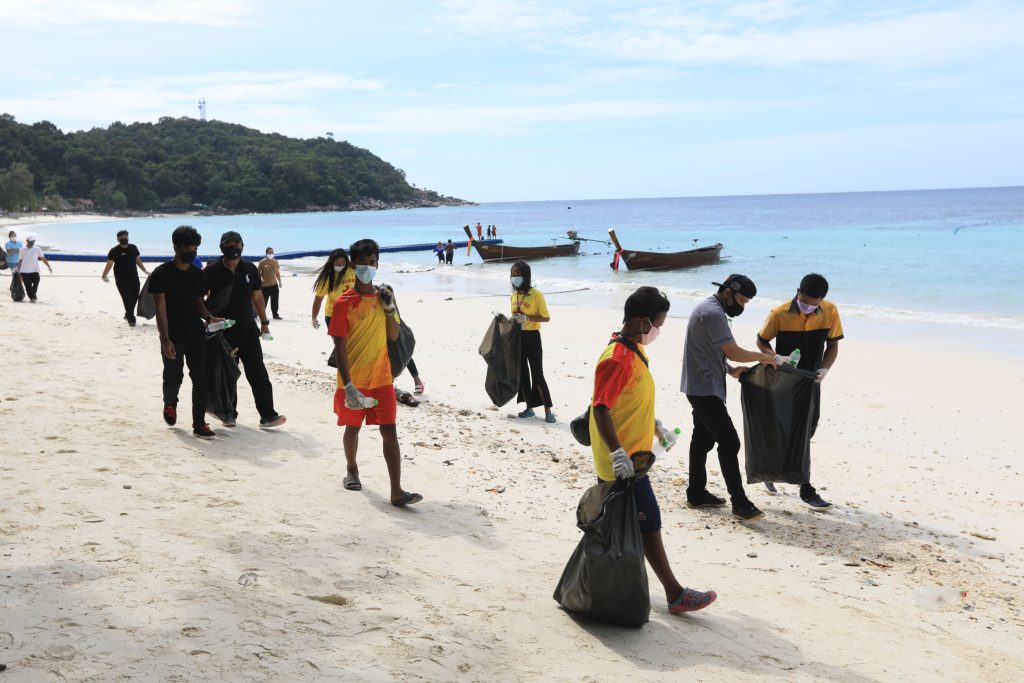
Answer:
(334, 279)
(530, 310)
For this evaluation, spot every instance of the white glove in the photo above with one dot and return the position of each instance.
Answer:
(667, 437)
(820, 374)
(519, 317)
(316, 324)
(781, 360)
(354, 398)
(387, 299)
(622, 466)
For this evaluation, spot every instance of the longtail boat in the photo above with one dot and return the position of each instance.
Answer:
(658, 260)
(503, 252)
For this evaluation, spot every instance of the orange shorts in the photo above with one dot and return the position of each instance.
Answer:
(384, 413)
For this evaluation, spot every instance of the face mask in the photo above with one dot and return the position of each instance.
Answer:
(231, 252)
(30, 243)
(734, 309)
(806, 309)
(517, 281)
(338, 269)
(648, 337)
(270, 256)
(365, 274)
(123, 240)
(188, 256)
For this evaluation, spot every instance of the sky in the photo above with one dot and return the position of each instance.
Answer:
(496, 100)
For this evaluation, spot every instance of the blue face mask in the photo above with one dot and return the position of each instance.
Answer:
(365, 274)
(517, 281)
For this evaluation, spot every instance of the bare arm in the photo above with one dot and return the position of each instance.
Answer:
(106, 269)
(166, 345)
(341, 358)
(48, 266)
(538, 318)
(605, 427)
(392, 327)
(831, 353)
(740, 355)
(764, 346)
(261, 310)
(138, 262)
(316, 306)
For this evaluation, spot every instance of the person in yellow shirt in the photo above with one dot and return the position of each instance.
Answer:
(334, 279)
(622, 424)
(365, 318)
(530, 310)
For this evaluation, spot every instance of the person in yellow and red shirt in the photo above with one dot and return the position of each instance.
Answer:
(364, 319)
(622, 424)
(530, 310)
(810, 323)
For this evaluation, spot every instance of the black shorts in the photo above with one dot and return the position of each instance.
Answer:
(647, 511)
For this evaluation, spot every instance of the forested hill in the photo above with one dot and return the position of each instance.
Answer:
(185, 163)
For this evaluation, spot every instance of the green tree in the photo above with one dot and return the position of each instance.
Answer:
(16, 188)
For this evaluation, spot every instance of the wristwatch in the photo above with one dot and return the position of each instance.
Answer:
(264, 322)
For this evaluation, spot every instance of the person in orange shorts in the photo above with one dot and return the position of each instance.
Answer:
(364, 319)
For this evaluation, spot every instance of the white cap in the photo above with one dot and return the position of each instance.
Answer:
(31, 237)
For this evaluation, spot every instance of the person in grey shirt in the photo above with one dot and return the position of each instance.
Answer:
(709, 344)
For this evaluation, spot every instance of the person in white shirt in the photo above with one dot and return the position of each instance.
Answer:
(28, 266)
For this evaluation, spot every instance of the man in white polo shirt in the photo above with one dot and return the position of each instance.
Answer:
(28, 266)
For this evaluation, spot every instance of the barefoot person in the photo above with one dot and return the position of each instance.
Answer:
(126, 262)
(622, 423)
(270, 272)
(709, 342)
(177, 288)
(235, 291)
(365, 318)
(811, 324)
(530, 310)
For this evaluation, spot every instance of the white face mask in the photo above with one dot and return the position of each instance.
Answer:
(365, 274)
(806, 309)
(648, 337)
(338, 269)
(517, 281)
(270, 256)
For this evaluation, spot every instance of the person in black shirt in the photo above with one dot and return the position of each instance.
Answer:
(177, 288)
(124, 259)
(235, 290)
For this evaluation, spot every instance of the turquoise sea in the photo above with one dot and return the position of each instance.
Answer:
(950, 256)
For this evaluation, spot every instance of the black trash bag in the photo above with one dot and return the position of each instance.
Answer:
(779, 412)
(500, 350)
(17, 289)
(606, 577)
(400, 350)
(146, 308)
(222, 375)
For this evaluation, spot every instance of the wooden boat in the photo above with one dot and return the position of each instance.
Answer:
(501, 252)
(669, 260)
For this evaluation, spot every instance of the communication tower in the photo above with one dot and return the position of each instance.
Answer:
(202, 109)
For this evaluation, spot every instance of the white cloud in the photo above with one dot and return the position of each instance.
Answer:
(71, 12)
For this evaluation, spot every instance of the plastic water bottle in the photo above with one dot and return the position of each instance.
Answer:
(669, 439)
(794, 358)
(266, 337)
(222, 325)
(369, 402)
(939, 598)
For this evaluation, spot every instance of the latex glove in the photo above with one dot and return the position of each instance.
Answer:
(387, 299)
(519, 317)
(316, 324)
(659, 428)
(354, 398)
(781, 360)
(622, 466)
(820, 374)
(667, 437)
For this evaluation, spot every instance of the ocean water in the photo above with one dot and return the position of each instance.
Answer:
(947, 256)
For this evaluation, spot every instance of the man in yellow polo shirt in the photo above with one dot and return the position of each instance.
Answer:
(622, 423)
(811, 324)
(364, 319)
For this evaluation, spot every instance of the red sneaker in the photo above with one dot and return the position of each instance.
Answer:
(203, 431)
(170, 415)
(691, 601)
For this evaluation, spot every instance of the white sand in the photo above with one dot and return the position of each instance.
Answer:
(123, 541)
(24, 223)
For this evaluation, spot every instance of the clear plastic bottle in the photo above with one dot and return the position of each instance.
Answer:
(266, 337)
(669, 438)
(794, 358)
(939, 598)
(369, 402)
(222, 325)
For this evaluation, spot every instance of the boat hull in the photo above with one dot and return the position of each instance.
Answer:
(653, 260)
(496, 253)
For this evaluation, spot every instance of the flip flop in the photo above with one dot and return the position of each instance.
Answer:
(352, 483)
(407, 499)
(550, 419)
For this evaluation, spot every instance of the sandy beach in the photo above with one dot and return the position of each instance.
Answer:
(133, 551)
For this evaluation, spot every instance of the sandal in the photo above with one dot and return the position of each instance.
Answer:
(527, 413)
(351, 483)
(407, 499)
(550, 418)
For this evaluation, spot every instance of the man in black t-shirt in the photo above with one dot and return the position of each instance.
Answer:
(124, 259)
(235, 291)
(177, 288)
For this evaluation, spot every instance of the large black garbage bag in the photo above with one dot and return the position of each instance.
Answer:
(17, 289)
(400, 350)
(500, 350)
(606, 578)
(222, 375)
(146, 308)
(778, 416)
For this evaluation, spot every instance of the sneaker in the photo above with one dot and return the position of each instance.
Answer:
(816, 502)
(170, 415)
(228, 422)
(277, 317)
(527, 413)
(691, 601)
(272, 422)
(131, 322)
(771, 487)
(746, 511)
(704, 499)
(203, 431)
